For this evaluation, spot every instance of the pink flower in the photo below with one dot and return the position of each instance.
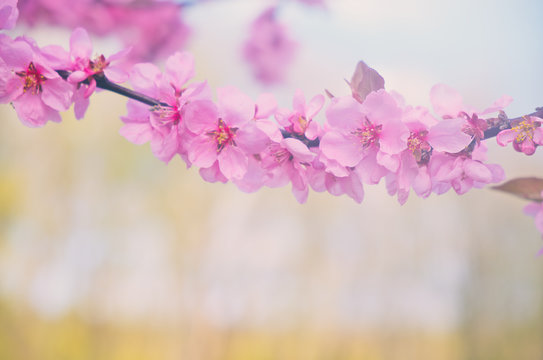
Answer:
(368, 136)
(154, 28)
(323, 175)
(300, 121)
(463, 172)
(526, 135)
(36, 91)
(427, 136)
(535, 209)
(163, 125)
(8, 14)
(226, 134)
(269, 50)
(83, 68)
(448, 104)
(288, 161)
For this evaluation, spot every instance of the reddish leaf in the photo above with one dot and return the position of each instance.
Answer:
(364, 81)
(526, 188)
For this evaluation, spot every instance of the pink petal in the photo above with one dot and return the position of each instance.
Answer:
(144, 77)
(77, 76)
(446, 101)
(393, 137)
(17, 55)
(233, 162)
(236, 108)
(538, 136)
(298, 149)
(33, 112)
(298, 102)
(180, 68)
(506, 136)
(337, 147)
(344, 113)
(265, 106)
(137, 133)
(57, 93)
(447, 136)
(251, 139)
(312, 131)
(498, 105)
(200, 116)
(390, 162)
(314, 106)
(80, 44)
(81, 103)
(532, 208)
(116, 74)
(202, 151)
(477, 171)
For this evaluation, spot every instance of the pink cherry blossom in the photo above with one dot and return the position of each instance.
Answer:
(462, 172)
(164, 124)
(448, 103)
(299, 122)
(525, 135)
(368, 136)
(35, 90)
(269, 49)
(83, 68)
(288, 161)
(225, 133)
(8, 14)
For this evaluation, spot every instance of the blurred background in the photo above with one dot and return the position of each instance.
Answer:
(107, 253)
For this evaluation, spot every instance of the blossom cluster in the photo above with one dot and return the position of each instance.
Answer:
(366, 137)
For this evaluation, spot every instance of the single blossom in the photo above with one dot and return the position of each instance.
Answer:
(225, 134)
(525, 135)
(369, 136)
(84, 68)
(163, 124)
(8, 14)
(269, 49)
(299, 121)
(35, 90)
(448, 104)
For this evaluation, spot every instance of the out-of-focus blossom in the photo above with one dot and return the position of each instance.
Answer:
(154, 29)
(269, 49)
(8, 14)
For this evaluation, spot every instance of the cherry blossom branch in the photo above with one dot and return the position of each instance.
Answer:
(103, 82)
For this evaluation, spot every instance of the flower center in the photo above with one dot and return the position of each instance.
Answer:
(166, 115)
(368, 134)
(32, 79)
(98, 64)
(418, 145)
(224, 135)
(525, 129)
